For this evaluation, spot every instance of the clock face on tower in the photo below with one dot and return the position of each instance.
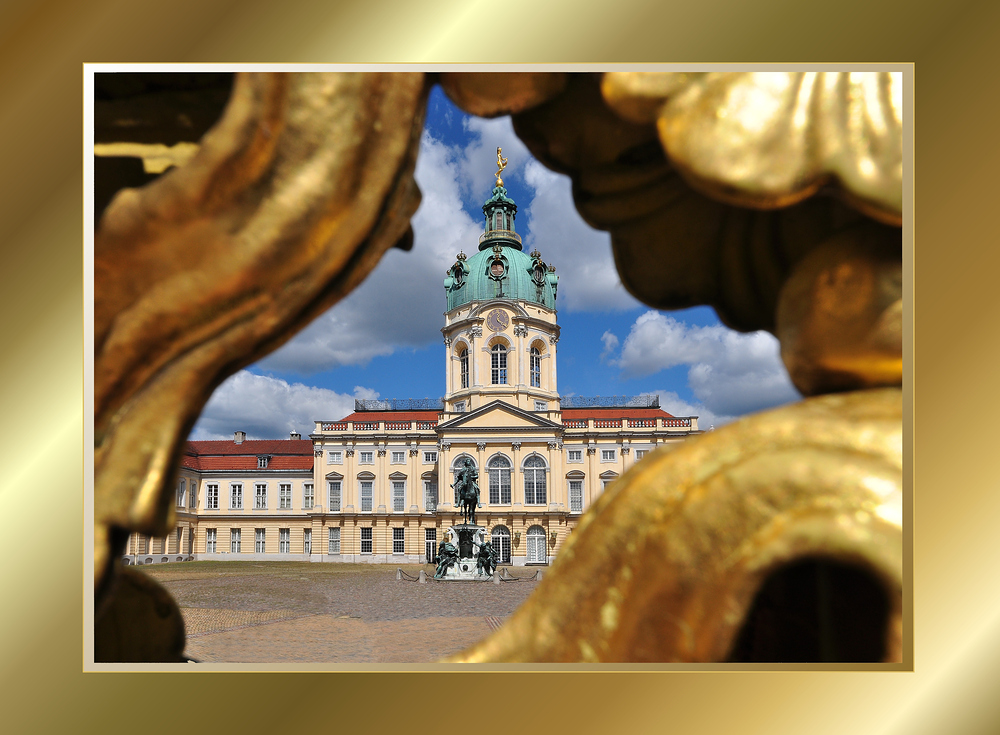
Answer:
(497, 320)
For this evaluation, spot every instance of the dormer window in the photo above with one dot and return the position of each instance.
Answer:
(262, 462)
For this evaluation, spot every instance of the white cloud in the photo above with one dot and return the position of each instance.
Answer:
(269, 408)
(610, 344)
(730, 373)
(588, 279)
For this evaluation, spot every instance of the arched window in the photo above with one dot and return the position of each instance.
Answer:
(534, 480)
(499, 468)
(536, 368)
(500, 538)
(499, 364)
(536, 545)
(463, 361)
(457, 466)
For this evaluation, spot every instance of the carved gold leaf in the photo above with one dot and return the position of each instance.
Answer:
(770, 139)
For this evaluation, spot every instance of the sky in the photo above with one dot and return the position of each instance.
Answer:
(384, 339)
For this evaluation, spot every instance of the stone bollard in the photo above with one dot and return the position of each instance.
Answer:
(538, 576)
(423, 577)
(399, 573)
(496, 577)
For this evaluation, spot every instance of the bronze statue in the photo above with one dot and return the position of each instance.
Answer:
(486, 563)
(467, 485)
(447, 557)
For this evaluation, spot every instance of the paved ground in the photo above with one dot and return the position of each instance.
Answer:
(253, 612)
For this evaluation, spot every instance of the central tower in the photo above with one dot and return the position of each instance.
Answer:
(500, 329)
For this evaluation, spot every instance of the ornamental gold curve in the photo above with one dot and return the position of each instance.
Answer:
(771, 139)
(664, 565)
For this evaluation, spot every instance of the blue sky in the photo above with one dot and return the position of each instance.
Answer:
(384, 339)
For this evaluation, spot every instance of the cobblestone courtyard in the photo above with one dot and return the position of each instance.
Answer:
(277, 612)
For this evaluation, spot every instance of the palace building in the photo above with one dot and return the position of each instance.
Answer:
(376, 486)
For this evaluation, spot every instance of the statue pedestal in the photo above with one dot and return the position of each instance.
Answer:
(463, 536)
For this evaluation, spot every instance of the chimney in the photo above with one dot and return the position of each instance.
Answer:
(239, 437)
(294, 435)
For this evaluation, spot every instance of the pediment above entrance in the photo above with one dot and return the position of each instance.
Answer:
(496, 415)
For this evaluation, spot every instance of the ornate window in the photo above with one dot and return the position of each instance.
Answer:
(333, 541)
(536, 368)
(499, 364)
(536, 545)
(366, 541)
(499, 469)
(500, 538)
(534, 480)
(366, 496)
(463, 361)
(398, 496)
(334, 486)
(398, 543)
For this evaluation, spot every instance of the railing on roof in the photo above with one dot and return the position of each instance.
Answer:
(500, 235)
(398, 404)
(642, 401)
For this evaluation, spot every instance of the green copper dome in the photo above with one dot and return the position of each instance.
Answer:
(501, 269)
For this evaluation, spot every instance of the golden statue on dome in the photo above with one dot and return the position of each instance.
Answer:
(501, 165)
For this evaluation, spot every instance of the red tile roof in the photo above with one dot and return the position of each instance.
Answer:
(252, 447)
(615, 413)
(285, 454)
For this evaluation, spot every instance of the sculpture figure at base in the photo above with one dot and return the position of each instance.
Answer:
(486, 563)
(447, 557)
